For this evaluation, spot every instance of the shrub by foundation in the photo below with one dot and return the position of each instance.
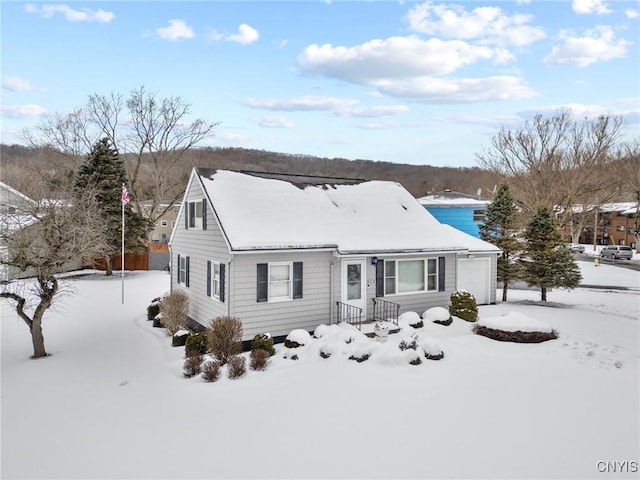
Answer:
(153, 309)
(463, 305)
(432, 350)
(179, 339)
(263, 341)
(438, 315)
(297, 338)
(174, 308)
(157, 322)
(259, 359)
(236, 366)
(196, 343)
(224, 335)
(408, 343)
(360, 355)
(192, 366)
(210, 371)
(517, 337)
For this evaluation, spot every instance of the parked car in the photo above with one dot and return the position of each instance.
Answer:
(574, 247)
(617, 251)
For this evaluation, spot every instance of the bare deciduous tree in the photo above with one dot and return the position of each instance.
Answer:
(557, 162)
(629, 164)
(151, 133)
(39, 240)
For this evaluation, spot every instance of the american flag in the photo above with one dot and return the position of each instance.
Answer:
(125, 195)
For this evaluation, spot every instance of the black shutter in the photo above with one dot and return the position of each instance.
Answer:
(222, 280)
(204, 214)
(192, 214)
(177, 270)
(187, 269)
(441, 274)
(208, 278)
(263, 282)
(297, 280)
(186, 215)
(380, 278)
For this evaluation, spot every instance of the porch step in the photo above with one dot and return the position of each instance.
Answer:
(367, 327)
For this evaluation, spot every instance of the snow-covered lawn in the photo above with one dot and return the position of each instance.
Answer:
(111, 401)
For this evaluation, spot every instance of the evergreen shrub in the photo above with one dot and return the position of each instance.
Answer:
(196, 343)
(263, 341)
(153, 309)
(463, 305)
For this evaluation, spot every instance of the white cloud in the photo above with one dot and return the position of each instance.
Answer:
(629, 13)
(70, 14)
(465, 90)
(345, 107)
(307, 103)
(176, 30)
(394, 57)
(17, 84)
(490, 25)
(588, 7)
(626, 108)
(245, 35)
(274, 121)
(597, 45)
(17, 111)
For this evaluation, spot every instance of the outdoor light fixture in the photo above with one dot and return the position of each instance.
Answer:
(374, 260)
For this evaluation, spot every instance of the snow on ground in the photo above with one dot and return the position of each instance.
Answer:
(111, 401)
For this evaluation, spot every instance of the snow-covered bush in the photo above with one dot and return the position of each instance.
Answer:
(179, 338)
(409, 343)
(327, 350)
(412, 319)
(432, 350)
(237, 366)
(211, 371)
(515, 327)
(196, 343)
(438, 315)
(321, 330)
(463, 305)
(192, 365)
(360, 355)
(259, 359)
(297, 338)
(263, 341)
(153, 309)
(224, 336)
(413, 357)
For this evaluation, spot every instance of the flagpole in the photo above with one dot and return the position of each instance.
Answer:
(124, 193)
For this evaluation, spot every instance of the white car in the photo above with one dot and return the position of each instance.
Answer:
(574, 247)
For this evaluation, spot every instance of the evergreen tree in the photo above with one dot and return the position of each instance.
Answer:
(103, 174)
(548, 264)
(499, 229)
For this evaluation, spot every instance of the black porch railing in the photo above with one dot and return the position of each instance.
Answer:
(384, 310)
(350, 314)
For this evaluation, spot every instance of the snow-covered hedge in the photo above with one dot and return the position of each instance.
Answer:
(515, 327)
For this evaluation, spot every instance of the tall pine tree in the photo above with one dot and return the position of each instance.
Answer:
(103, 174)
(548, 265)
(499, 229)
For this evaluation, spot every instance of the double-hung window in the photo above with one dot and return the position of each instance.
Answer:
(195, 214)
(279, 281)
(216, 273)
(183, 270)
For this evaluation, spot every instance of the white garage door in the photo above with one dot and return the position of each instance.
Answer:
(474, 276)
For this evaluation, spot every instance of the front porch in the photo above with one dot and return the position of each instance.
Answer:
(383, 311)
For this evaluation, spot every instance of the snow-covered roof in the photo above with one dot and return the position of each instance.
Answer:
(365, 217)
(475, 245)
(452, 199)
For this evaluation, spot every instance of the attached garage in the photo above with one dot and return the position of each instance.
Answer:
(474, 276)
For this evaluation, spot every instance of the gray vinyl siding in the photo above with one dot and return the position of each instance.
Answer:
(414, 302)
(200, 246)
(279, 318)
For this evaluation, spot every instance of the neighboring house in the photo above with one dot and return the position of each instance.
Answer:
(163, 226)
(13, 206)
(461, 211)
(282, 252)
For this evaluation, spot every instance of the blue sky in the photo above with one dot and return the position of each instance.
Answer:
(406, 82)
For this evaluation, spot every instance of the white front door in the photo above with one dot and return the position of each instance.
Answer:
(353, 283)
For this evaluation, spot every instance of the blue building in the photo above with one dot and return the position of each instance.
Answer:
(460, 210)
